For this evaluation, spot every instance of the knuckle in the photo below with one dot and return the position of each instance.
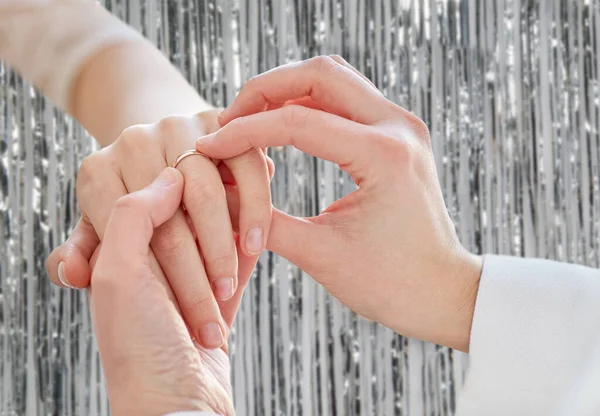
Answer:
(251, 161)
(209, 119)
(199, 302)
(91, 174)
(219, 265)
(172, 123)
(394, 147)
(256, 211)
(252, 81)
(261, 214)
(169, 242)
(252, 87)
(339, 60)
(322, 62)
(420, 128)
(200, 191)
(413, 125)
(134, 138)
(173, 249)
(296, 116)
(89, 167)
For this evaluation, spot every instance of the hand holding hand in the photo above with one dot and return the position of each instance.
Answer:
(132, 162)
(152, 367)
(388, 250)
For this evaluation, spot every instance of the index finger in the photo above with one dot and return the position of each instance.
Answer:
(315, 132)
(335, 87)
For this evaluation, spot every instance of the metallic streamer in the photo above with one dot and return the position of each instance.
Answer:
(510, 90)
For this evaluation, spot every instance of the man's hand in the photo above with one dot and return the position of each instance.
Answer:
(388, 250)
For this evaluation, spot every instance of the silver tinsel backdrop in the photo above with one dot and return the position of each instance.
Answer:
(510, 91)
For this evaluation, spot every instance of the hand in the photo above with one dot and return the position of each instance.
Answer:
(388, 250)
(132, 162)
(152, 367)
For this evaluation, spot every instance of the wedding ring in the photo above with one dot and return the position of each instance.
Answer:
(186, 154)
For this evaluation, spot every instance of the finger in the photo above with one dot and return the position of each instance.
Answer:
(228, 179)
(304, 101)
(69, 264)
(345, 63)
(317, 133)
(97, 195)
(139, 213)
(309, 102)
(252, 178)
(156, 203)
(209, 120)
(206, 203)
(246, 266)
(175, 248)
(335, 87)
(123, 283)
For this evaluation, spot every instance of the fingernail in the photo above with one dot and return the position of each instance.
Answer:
(211, 335)
(224, 288)
(204, 140)
(254, 240)
(221, 118)
(166, 178)
(62, 276)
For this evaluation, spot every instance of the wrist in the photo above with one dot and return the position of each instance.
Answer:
(459, 307)
(137, 396)
(159, 405)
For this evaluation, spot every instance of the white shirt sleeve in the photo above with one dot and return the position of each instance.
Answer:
(48, 41)
(535, 340)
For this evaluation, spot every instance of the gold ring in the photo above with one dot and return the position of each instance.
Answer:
(188, 153)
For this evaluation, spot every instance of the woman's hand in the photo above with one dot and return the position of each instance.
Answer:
(131, 163)
(152, 367)
(388, 250)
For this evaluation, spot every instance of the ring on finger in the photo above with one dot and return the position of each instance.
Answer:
(187, 153)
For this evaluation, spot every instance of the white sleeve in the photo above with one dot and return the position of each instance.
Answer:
(535, 340)
(48, 41)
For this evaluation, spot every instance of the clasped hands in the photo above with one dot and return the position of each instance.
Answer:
(388, 250)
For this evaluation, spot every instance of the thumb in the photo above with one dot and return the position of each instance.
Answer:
(134, 218)
(298, 239)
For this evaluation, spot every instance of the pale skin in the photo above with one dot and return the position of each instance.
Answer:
(152, 366)
(106, 100)
(388, 250)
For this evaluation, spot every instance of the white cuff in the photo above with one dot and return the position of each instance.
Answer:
(535, 329)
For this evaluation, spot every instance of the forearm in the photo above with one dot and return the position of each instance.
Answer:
(127, 84)
(92, 65)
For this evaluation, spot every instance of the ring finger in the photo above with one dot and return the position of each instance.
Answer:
(175, 247)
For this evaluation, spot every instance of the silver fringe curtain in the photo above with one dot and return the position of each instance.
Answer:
(510, 90)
